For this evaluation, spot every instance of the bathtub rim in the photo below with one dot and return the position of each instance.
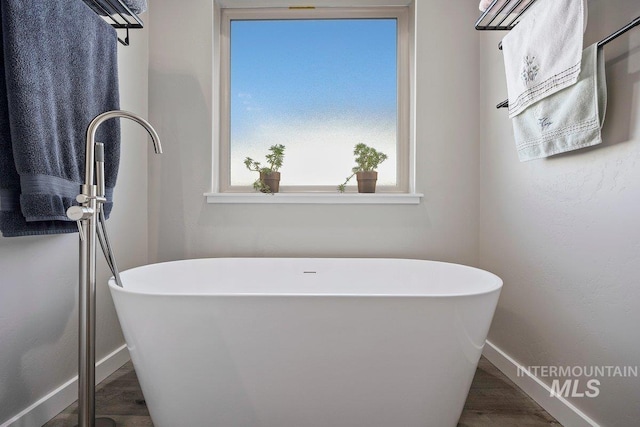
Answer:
(495, 286)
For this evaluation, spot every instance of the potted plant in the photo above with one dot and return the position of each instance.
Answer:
(367, 161)
(269, 179)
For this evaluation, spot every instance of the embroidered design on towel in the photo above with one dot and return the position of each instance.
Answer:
(541, 115)
(544, 123)
(530, 69)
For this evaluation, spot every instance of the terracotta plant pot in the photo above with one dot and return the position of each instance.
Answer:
(367, 181)
(271, 180)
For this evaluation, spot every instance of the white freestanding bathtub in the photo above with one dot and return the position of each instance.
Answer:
(259, 342)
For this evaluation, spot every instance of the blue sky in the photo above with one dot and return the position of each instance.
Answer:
(312, 84)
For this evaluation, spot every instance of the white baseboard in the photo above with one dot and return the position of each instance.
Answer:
(559, 407)
(55, 402)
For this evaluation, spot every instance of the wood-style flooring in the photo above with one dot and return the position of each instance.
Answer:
(494, 401)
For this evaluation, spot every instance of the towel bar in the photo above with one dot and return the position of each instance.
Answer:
(112, 12)
(612, 36)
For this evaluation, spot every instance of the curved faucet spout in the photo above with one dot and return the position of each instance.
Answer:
(91, 136)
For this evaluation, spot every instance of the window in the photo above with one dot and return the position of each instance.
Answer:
(318, 81)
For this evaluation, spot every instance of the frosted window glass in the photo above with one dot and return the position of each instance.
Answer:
(317, 86)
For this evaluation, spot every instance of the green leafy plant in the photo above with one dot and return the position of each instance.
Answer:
(274, 163)
(367, 159)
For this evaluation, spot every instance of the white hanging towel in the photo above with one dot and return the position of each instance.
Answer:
(569, 119)
(542, 53)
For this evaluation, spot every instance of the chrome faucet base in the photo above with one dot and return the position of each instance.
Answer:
(103, 422)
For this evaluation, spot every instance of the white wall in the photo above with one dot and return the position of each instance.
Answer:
(443, 227)
(38, 283)
(563, 233)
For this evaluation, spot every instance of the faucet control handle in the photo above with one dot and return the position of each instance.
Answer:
(83, 198)
(79, 213)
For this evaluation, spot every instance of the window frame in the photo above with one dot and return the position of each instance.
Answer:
(405, 143)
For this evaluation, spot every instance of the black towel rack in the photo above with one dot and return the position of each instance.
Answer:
(612, 36)
(503, 17)
(119, 15)
(507, 20)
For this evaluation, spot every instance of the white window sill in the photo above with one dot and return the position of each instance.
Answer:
(317, 198)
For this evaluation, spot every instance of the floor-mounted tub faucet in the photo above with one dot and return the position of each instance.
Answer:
(88, 214)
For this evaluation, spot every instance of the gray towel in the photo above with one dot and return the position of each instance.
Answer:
(569, 119)
(100, 6)
(60, 62)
